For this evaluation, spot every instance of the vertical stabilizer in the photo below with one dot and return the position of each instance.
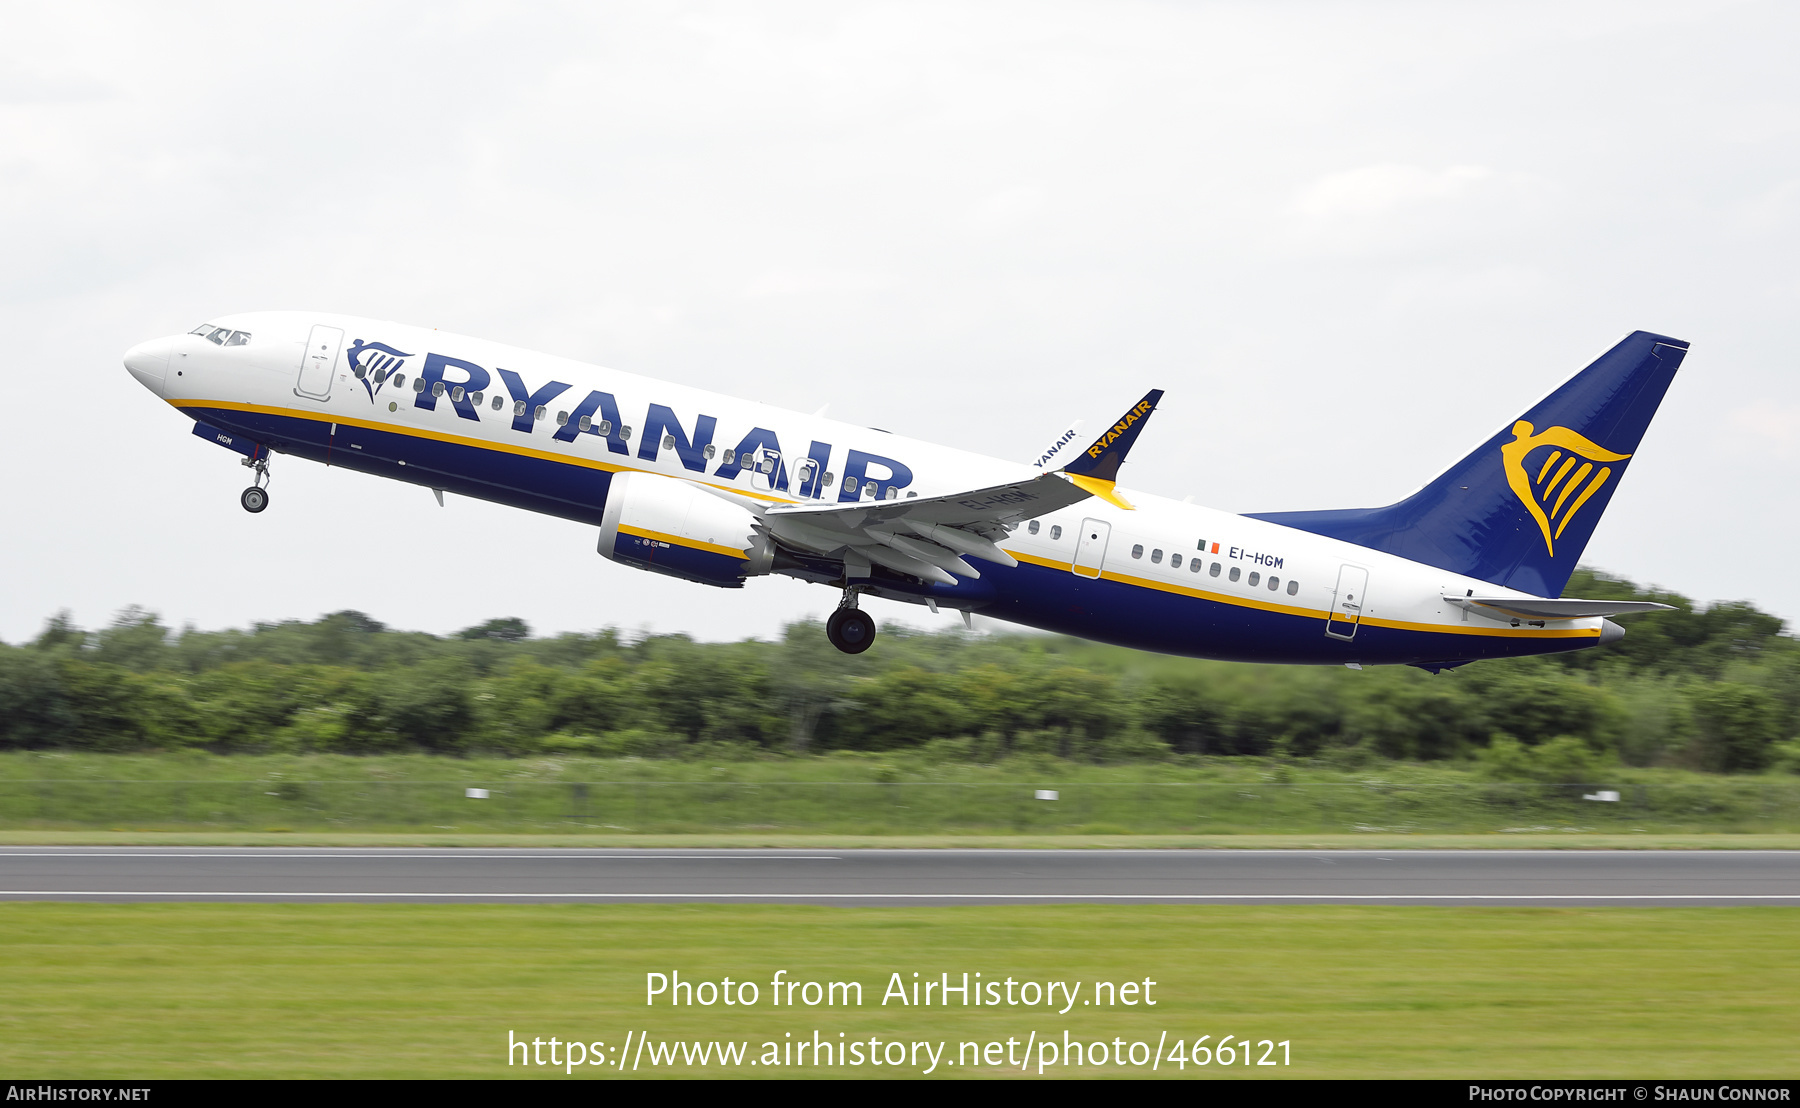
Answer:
(1519, 510)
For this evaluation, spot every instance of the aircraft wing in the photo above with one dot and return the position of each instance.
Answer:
(1533, 607)
(931, 537)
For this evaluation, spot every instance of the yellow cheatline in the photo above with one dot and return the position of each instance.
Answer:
(677, 540)
(1105, 490)
(459, 440)
(1316, 613)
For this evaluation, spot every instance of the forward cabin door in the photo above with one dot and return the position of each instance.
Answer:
(1090, 547)
(319, 361)
(1347, 602)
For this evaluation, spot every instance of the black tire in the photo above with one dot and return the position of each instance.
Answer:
(850, 630)
(254, 499)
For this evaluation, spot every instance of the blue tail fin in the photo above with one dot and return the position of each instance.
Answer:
(1519, 511)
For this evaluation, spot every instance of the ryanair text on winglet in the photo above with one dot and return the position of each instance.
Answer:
(1112, 435)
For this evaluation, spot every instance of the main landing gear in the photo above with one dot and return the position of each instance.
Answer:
(850, 629)
(256, 497)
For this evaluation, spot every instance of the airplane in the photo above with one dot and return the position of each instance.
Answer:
(716, 490)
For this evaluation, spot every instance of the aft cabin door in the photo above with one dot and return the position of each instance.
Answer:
(1090, 547)
(319, 361)
(1347, 602)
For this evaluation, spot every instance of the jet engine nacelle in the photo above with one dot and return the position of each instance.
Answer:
(669, 526)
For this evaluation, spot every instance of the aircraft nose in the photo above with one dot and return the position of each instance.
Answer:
(149, 362)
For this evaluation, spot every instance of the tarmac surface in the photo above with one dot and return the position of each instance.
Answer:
(899, 877)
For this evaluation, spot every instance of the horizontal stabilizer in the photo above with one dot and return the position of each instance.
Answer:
(1533, 607)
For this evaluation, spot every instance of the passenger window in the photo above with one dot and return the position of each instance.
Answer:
(1032, 527)
(1235, 573)
(1174, 561)
(419, 384)
(587, 423)
(1156, 556)
(730, 455)
(562, 419)
(893, 492)
(1056, 531)
(768, 462)
(437, 387)
(830, 477)
(399, 379)
(476, 398)
(499, 402)
(1195, 565)
(518, 407)
(357, 372)
(1293, 586)
(1137, 551)
(706, 453)
(1274, 583)
(1214, 571)
(849, 484)
(542, 411)
(625, 431)
(1255, 578)
(668, 442)
(380, 376)
(456, 394)
(606, 427)
(238, 338)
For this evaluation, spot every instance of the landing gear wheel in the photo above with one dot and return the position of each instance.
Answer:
(850, 630)
(254, 499)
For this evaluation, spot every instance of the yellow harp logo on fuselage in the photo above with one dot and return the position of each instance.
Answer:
(1571, 472)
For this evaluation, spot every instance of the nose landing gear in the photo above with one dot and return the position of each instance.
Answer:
(256, 497)
(850, 629)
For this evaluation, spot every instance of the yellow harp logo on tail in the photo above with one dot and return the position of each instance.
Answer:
(1556, 482)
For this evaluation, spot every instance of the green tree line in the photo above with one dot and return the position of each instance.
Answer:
(1714, 688)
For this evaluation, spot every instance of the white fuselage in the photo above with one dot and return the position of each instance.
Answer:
(1171, 576)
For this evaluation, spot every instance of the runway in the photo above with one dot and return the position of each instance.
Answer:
(900, 877)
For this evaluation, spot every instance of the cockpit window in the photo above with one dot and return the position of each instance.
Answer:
(218, 335)
(203, 329)
(238, 338)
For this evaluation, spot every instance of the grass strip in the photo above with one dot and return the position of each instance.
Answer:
(346, 990)
(1566, 841)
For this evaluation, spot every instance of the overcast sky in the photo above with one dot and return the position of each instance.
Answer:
(1349, 240)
